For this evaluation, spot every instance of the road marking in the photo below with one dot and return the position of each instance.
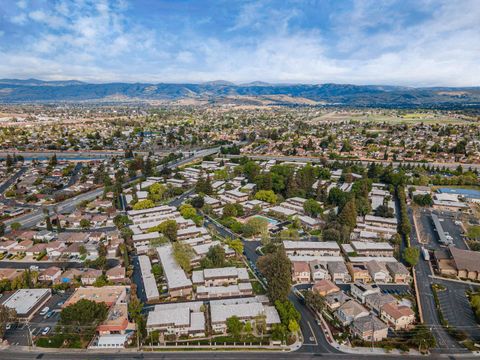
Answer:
(313, 334)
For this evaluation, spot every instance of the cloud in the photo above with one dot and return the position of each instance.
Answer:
(419, 43)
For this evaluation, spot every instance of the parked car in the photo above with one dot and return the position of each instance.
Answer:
(46, 330)
(44, 310)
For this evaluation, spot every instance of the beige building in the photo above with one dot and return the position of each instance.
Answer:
(398, 316)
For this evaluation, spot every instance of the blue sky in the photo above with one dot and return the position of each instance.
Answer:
(404, 42)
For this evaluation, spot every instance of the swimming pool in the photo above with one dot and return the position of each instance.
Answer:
(272, 222)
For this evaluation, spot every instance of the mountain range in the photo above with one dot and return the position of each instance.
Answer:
(38, 91)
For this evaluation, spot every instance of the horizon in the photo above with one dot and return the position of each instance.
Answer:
(232, 83)
(397, 43)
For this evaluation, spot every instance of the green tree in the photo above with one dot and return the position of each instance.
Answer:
(204, 186)
(312, 207)
(144, 204)
(156, 192)
(234, 326)
(183, 254)
(7, 315)
(85, 224)
(215, 257)
(277, 269)
(423, 338)
(236, 245)
(197, 202)
(15, 226)
(348, 215)
(2, 229)
(229, 210)
(315, 301)
(293, 326)
(331, 234)
(82, 317)
(266, 195)
(187, 211)
(169, 228)
(255, 226)
(473, 232)
(411, 255)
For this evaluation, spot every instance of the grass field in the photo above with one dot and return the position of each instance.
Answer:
(392, 118)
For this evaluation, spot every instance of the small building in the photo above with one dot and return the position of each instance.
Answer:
(300, 272)
(26, 302)
(398, 316)
(369, 328)
(178, 319)
(360, 291)
(325, 287)
(359, 272)
(338, 272)
(350, 311)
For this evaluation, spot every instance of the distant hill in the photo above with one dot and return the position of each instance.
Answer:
(32, 90)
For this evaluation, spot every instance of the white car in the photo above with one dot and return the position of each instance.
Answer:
(44, 310)
(46, 330)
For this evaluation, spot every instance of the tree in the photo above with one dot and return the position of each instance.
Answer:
(144, 204)
(2, 229)
(229, 210)
(287, 313)
(315, 301)
(277, 269)
(204, 186)
(82, 317)
(348, 215)
(197, 202)
(266, 195)
(255, 226)
(473, 232)
(156, 192)
(293, 326)
(215, 257)
(48, 222)
(331, 234)
(188, 211)
(7, 315)
(236, 245)
(15, 226)
(85, 224)
(101, 281)
(423, 200)
(251, 169)
(411, 255)
(169, 228)
(423, 338)
(384, 211)
(234, 326)
(312, 207)
(183, 254)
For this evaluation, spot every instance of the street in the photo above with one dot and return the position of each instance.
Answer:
(445, 343)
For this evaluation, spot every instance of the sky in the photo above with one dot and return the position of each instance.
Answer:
(395, 42)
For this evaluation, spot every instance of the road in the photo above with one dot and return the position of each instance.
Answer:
(196, 355)
(12, 179)
(31, 219)
(452, 166)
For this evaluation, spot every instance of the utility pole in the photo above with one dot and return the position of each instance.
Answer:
(30, 340)
(373, 329)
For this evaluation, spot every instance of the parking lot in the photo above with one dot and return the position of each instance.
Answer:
(448, 221)
(456, 308)
(18, 333)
